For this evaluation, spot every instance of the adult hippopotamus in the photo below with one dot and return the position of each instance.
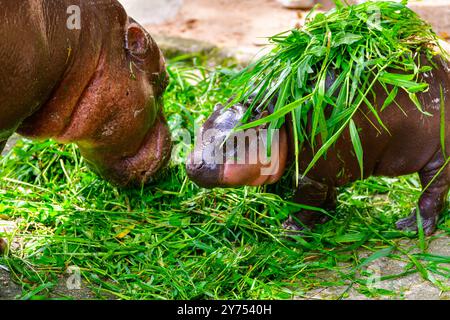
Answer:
(413, 144)
(82, 71)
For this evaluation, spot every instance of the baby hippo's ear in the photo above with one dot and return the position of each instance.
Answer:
(137, 41)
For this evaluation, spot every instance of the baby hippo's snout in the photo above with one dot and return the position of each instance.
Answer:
(226, 157)
(205, 164)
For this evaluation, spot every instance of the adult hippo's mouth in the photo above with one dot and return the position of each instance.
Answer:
(224, 157)
(151, 157)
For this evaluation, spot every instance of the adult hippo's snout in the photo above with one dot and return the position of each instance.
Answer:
(418, 141)
(226, 157)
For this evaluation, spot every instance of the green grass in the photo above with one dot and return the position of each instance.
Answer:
(173, 240)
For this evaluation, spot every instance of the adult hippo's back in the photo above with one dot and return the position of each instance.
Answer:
(82, 71)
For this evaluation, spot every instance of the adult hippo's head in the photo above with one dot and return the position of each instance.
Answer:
(103, 86)
(226, 157)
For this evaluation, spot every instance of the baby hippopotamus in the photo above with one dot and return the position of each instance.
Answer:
(413, 144)
(82, 71)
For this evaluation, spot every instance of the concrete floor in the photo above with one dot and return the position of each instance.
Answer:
(8, 289)
(410, 287)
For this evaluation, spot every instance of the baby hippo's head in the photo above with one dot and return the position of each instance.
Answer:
(225, 156)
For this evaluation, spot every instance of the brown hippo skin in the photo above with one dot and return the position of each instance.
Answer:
(413, 145)
(99, 86)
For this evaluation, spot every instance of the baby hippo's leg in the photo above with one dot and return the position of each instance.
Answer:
(314, 194)
(433, 199)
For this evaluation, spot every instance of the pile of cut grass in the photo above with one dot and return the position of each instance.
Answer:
(173, 240)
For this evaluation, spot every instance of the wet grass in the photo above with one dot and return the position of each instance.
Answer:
(173, 240)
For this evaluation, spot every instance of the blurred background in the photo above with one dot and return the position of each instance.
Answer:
(242, 25)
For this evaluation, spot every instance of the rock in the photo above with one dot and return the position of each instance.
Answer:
(173, 46)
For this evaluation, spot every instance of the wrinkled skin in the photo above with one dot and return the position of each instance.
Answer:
(100, 86)
(413, 145)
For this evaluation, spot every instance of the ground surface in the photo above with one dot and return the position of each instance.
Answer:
(409, 287)
(243, 25)
(239, 26)
(8, 289)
